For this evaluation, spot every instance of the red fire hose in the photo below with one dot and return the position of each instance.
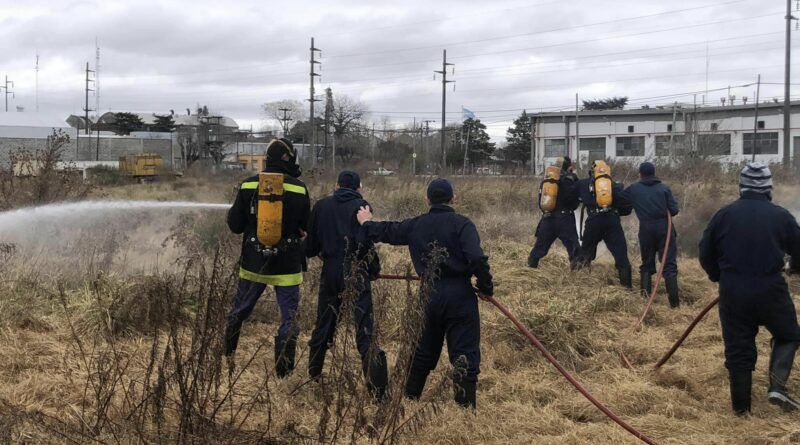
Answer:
(625, 361)
(686, 333)
(538, 345)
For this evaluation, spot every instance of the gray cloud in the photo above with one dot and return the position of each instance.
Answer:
(160, 55)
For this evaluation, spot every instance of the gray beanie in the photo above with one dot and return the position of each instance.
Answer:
(755, 177)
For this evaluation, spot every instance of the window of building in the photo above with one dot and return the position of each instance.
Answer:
(663, 147)
(593, 144)
(760, 125)
(630, 128)
(714, 144)
(554, 148)
(714, 126)
(766, 143)
(669, 127)
(630, 146)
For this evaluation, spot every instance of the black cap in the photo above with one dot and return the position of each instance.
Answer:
(647, 169)
(440, 191)
(349, 179)
(279, 147)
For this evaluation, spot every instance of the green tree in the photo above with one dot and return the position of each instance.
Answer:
(125, 123)
(518, 140)
(610, 103)
(164, 124)
(476, 141)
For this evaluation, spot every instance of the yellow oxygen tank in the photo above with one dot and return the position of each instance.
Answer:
(269, 215)
(603, 185)
(548, 194)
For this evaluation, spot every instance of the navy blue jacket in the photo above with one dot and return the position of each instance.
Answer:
(620, 201)
(334, 232)
(567, 200)
(443, 226)
(651, 199)
(751, 237)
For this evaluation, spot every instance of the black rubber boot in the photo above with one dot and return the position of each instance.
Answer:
(316, 361)
(415, 384)
(780, 366)
(231, 339)
(533, 262)
(740, 382)
(626, 277)
(647, 284)
(464, 393)
(672, 291)
(377, 375)
(284, 356)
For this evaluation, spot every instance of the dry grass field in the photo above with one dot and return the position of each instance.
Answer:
(110, 334)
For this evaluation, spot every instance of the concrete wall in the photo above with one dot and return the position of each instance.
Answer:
(85, 148)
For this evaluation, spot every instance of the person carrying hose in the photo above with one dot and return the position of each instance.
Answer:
(333, 236)
(559, 223)
(651, 200)
(603, 223)
(743, 249)
(452, 312)
(281, 265)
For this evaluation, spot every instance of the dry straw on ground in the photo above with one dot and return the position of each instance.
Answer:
(104, 354)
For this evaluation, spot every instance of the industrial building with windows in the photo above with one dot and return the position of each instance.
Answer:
(726, 134)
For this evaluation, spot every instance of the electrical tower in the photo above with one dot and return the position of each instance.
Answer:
(787, 109)
(36, 81)
(97, 77)
(7, 90)
(311, 100)
(443, 72)
(285, 120)
(86, 108)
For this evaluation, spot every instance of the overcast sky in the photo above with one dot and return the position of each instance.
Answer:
(508, 55)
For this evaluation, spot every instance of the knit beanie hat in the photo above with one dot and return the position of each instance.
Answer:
(647, 169)
(755, 177)
(440, 191)
(349, 179)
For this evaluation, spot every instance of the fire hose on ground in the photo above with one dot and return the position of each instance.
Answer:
(550, 358)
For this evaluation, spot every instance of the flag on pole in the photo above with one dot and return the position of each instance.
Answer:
(467, 114)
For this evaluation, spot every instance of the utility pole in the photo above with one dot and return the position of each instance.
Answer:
(97, 78)
(285, 120)
(86, 109)
(311, 100)
(36, 81)
(577, 132)
(755, 123)
(533, 145)
(787, 109)
(7, 92)
(706, 92)
(414, 147)
(443, 72)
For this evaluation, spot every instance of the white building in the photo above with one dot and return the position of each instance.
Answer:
(26, 125)
(722, 133)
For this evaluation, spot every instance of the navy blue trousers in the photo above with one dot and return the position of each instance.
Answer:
(608, 229)
(652, 235)
(747, 302)
(561, 227)
(328, 306)
(247, 295)
(452, 316)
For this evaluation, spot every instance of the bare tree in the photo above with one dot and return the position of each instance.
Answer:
(296, 111)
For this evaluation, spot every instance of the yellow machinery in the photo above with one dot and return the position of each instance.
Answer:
(144, 166)
(548, 193)
(269, 216)
(603, 185)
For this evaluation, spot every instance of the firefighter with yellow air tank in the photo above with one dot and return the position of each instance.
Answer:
(271, 212)
(605, 201)
(558, 199)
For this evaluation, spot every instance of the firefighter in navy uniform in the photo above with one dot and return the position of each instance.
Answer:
(333, 235)
(281, 266)
(651, 200)
(743, 249)
(452, 312)
(560, 222)
(603, 222)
